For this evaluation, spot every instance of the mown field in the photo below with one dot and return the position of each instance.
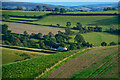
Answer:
(14, 55)
(96, 38)
(97, 63)
(20, 28)
(102, 21)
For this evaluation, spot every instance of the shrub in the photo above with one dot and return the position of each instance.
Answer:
(103, 44)
(112, 43)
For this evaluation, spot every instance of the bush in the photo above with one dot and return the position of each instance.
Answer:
(112, 43)
(103, 44)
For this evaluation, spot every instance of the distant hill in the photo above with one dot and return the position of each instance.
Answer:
(85, 7)
(25, 5)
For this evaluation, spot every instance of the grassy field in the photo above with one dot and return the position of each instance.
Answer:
(103, 21)
(94, 12)
(95, 63)
(24, 13)
(96, 38)
(14, 55)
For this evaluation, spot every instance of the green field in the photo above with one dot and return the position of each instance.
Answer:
(32, 67)
(96, 62)
(103, 21)
(94, 12)
(14, 55)
(96, 38)
(24, 13)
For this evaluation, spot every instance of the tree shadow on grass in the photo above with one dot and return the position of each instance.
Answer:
(105, 22)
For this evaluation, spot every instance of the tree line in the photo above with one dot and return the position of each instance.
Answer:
(44, 41)
(41, 8)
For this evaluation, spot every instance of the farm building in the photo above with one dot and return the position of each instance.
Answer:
(62, 48)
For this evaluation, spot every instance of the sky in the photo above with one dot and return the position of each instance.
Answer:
(62, 0)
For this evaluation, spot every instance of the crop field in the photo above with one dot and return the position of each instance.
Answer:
(14, 55)
(20, 28)
(32, 67)
(96, 38)
(96, 63)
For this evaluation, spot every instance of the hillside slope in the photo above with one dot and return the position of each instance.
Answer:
(95, 63)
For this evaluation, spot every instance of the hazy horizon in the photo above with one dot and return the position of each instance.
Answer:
(60, 1)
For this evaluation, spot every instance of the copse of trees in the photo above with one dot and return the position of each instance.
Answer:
(68, 31)
(38, 8)
(109, 8)
(87, 29)
(19, 8)
(79, 39)
(62, 10)
(68, 24)
(43, 41)
(5, 17)
(112, 43)
(113, 30)
(57, 10)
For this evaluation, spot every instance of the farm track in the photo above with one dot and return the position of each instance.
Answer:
(104, 64)
(69, 68)
(48, 69)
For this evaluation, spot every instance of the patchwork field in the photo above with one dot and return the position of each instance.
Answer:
(102, 21)
(23, 62)
(96, 63)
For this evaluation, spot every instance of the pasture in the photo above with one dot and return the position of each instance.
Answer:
(96, 38)
(14, 55)
(102, 21)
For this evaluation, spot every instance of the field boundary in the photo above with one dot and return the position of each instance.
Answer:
(27, 49)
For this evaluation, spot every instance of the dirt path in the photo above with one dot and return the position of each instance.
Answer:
(81, 62)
